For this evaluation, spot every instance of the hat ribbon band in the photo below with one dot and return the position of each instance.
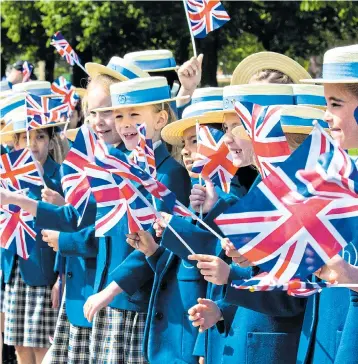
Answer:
(141, 96)
(263, 100)
(123, 71)
(11, 107)
(336, 71)
(153, 64)
(287, 120)
(309, 100)
(196, 100)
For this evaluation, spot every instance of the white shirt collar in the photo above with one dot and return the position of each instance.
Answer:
(157, 144)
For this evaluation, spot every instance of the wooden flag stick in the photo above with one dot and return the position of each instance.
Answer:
(190, 30)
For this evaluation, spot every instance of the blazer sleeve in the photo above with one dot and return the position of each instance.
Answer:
(158, 260)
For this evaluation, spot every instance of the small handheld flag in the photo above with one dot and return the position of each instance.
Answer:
(68, 92)
(27, 69)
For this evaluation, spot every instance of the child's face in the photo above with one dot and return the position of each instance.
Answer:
(102, 122)
(40, 144)
(241, 150)
(127, 119)
(190, 148)
(342, 115)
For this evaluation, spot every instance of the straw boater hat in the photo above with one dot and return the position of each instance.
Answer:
(309, 95)
(267, 60)
(140, 92)
(153, 60)
(119, 68)
(203, 100)
(262, 94)
(38, 88)
(5, 89)
(340, 65)
(294, 119)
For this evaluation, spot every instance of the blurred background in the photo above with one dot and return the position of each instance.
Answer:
(98, 30)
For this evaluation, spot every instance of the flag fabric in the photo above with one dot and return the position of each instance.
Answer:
(19, 170)
(74, 181)
(42, 110)
(205, 16)
(213, 160)
(143, 154)
(68, 92)
(17, 230)
(117, 199)
(26, 71)
(276, 226)
(64, 49)
(263, 126)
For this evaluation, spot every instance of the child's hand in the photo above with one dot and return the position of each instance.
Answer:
(214, 269)
(160, 224)
(52, 196)
(143, 241)
(205, 314)
(233, 253)
(100, 300)
(51, 238)
(189, 73)
(203, 196)
(7, 197)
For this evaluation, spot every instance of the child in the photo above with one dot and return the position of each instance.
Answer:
(30, 313)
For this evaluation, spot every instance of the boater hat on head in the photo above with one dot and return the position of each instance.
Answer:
(140, 92)
(340, 65)
(271, 61)
(119, 68)
(203, 100)
(262, 94)
(38, 88)
(295, 119)
(309, 95)
(153, 60)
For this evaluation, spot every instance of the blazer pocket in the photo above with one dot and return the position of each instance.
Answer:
(271, 348)
(48, 257)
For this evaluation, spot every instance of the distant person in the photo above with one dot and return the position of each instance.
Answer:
(16, 74)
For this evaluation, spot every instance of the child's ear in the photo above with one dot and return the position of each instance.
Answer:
(162, 120)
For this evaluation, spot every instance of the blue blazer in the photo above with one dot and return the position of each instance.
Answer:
(116, 260)
(325, 322)
(169, 336)
(38, 269)
(264, 326)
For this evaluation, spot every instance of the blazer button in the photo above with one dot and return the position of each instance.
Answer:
(163, 286)
(69, 275)
(158, 315)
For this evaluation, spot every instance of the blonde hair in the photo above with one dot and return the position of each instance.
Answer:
(271, 76)
(352, 88)
(294, 140)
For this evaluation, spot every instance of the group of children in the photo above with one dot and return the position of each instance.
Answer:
(143, 297)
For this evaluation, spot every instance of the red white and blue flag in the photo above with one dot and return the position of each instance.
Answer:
(42, 110)
(117, 199)
(276, 226)
(205, 16)
(26, 71)
(17, 230)
(74, 181)
(64, 49)
(19, 170)
(263, 126)
(213, 159)
(143, 154)
(68, 92)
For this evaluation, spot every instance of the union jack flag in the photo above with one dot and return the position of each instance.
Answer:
(205, 16)
(19, 169)
(64, 49)
(64, 88)
(117, 199)
(213, 159)
(143, 154)
(263, 126)
(26, 71)
(42, 110)
(117, 163)
(74, 181)
(276, 226)
(17, 230)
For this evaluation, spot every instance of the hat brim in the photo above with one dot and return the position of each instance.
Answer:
(141, 104)
(267, 60)
(95, 69)
(323, 80)
(7, 135)
(71, 134)
(173, 132)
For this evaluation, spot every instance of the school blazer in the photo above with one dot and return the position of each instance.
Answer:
(117, 260)
(38, 269)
